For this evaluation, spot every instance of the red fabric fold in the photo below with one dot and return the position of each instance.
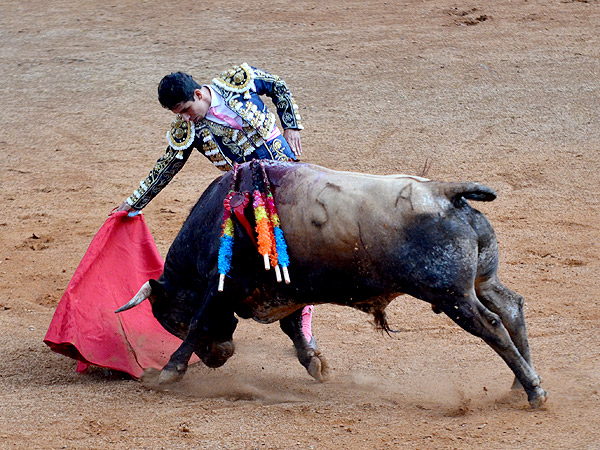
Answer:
(120, 259)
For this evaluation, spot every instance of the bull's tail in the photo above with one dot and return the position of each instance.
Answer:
(456, 192)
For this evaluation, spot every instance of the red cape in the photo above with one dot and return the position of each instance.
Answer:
(120, 259)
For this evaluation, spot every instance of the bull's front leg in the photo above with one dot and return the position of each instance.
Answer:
(209, 336)
(175, 369)
(306, 350)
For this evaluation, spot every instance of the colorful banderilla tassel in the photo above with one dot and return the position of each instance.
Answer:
(225, 246)
(226, 241)
(266, 240)
(280, 244)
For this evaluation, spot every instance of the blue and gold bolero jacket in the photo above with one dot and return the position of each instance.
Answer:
(241, 88)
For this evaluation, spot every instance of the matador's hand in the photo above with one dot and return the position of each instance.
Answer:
(292, 137)
(122, 207)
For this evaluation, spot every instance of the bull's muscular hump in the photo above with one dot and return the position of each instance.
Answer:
(353, 239)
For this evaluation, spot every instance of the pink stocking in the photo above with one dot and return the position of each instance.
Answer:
(307, 321)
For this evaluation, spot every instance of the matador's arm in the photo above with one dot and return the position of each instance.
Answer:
(275, 88)
(161, 174)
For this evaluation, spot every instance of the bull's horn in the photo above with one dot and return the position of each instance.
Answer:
(142, 295)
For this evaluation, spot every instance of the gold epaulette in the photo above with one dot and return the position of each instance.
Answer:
(182, 134)
(237, 79)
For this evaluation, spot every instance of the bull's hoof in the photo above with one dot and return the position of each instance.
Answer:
(218, 354)
(170, 376)
(537, 397)
(318, 367)
(517, 384)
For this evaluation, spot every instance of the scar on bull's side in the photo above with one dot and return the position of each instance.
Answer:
(320, 221)
(405, 194)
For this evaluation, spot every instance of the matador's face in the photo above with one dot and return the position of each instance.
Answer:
(196, 109)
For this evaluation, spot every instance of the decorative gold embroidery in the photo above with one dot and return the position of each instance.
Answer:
(263, 123)
(269, 124)
(182, 134)
(236, 140)
(286, 104)
(212, 152)
(253, 136)
(277, 150)
(160, 175)
(238, 79)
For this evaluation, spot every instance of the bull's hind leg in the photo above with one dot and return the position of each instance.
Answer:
(308, 355)
(509, 306)
(468, 312)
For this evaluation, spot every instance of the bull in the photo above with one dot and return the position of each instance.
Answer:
(354, 240)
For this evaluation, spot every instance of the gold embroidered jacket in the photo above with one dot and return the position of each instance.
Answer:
(241, 87)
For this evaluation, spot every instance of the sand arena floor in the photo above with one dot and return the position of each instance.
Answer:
(504, 93)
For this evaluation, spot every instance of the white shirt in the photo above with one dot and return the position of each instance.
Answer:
(220, 113)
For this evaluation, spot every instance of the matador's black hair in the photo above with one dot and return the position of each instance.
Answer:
(176, 88)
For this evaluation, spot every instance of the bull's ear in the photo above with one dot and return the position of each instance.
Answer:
(158, 291)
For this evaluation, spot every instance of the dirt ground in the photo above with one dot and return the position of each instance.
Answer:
(504, 93)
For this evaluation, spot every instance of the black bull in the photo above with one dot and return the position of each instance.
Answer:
(353, 239)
